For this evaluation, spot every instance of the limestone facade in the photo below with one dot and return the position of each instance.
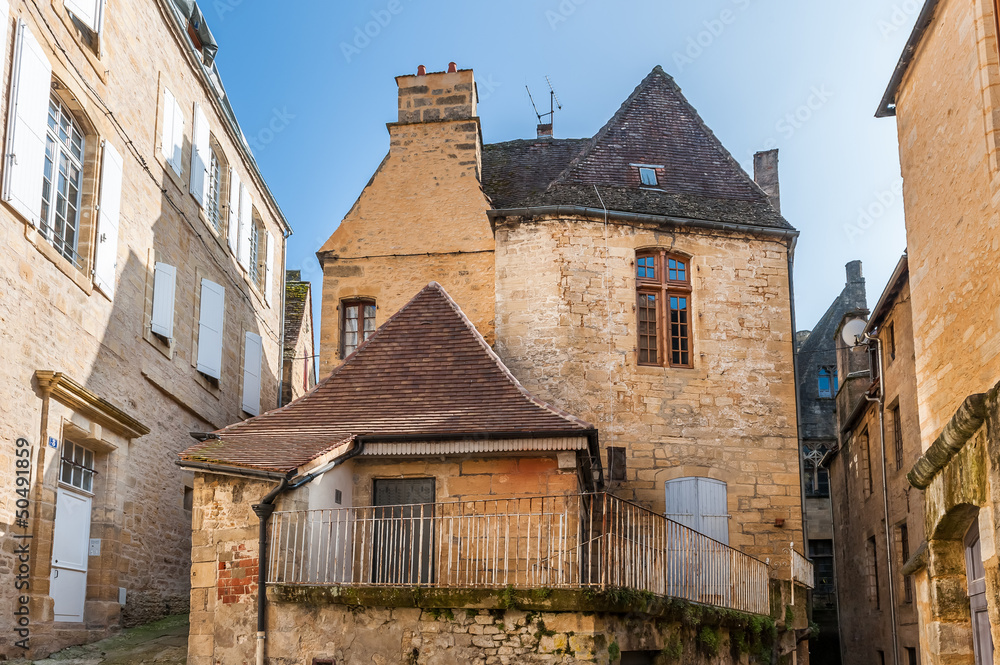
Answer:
(865, 560)
(83, 365)
(944, 96)
(556, 292)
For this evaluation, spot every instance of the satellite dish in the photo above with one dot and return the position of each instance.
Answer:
(852, 331)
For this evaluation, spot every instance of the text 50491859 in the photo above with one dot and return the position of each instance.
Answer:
(22, 538)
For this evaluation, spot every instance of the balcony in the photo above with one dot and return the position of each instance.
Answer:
(585, 542)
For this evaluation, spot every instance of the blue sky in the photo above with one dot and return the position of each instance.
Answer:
(804, 77)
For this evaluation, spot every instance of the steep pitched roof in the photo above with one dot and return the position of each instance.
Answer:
(296, 300)
(425, 371)
(655, 125)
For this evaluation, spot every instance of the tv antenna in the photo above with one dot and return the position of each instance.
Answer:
(554, 103)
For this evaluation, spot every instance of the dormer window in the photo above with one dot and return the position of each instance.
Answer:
(647, 174)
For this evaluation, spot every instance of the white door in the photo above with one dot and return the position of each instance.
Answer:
(70, 541)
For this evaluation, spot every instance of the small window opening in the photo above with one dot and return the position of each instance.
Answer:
(338, 497)
(188, 498)
(616, 463)
(647, 176)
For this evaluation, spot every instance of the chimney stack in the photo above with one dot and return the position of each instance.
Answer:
(544, 130)
(765, 173)
(436, 96)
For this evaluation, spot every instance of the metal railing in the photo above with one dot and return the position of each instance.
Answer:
(802, 570)
(589, 541)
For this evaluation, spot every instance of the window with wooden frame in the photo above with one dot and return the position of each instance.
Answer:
(357, 323)
(864, 442)
(663, 308)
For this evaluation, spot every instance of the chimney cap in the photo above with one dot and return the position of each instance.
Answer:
(421, 70)
(452, 68)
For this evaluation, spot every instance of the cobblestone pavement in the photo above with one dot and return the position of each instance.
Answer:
(161, 643)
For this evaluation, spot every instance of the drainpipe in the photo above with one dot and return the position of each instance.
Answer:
(880, 399)
(264, 510)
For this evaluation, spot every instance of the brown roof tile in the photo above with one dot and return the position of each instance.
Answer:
(425, 371)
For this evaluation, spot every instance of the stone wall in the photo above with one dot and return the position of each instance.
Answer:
(428, 185)
(566, 328)
(52, 318)
(946, 116)
(858, 508)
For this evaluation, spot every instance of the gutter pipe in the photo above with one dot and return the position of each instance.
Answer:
(264, 509)
(880, 400)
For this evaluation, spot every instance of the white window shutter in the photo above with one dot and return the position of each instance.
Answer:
(210, 321)
(31, 81)
(234, 210)
(88, 11)
(108, 218)
(164, 287)
(178, 140)
(269, 268)
(199, 155)
(252, 355)
(246, 228)
(167, 126)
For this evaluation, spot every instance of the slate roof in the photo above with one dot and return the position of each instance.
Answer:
(655, 125)
(425, 371)
(296, 298)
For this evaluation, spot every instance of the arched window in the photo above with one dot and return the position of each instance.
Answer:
(663, 291)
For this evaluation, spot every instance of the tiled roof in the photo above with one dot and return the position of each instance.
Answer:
(425, 371)
(656, 125)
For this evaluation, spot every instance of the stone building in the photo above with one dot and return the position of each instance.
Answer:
(613, 277)
(431, 510)
(877, 515)
(944, 96)
(141, 262)
(298, 369)
(816, 354)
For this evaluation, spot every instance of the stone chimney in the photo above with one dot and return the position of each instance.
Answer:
(765, 173)
(437, 96)
(544, 130)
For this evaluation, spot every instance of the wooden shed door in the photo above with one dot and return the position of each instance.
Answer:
(403, 537)
(976, 575)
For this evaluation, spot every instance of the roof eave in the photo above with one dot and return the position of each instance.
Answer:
(892, 290)
(887, 106)
(621, 215)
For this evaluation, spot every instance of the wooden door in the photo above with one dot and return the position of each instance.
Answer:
(403, 537)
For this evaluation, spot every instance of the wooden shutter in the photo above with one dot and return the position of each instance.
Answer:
(108, 219)
(200, 155)
(88, 11)
(29, 107)
(167, 126)
(252, 353)
(246, 227)
(172, 131)
(699, 503)
(164, 286)
(234, 210)
(682, 501)
(269, 268)
(210, 321)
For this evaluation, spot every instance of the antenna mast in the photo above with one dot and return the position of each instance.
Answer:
(545, 128)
